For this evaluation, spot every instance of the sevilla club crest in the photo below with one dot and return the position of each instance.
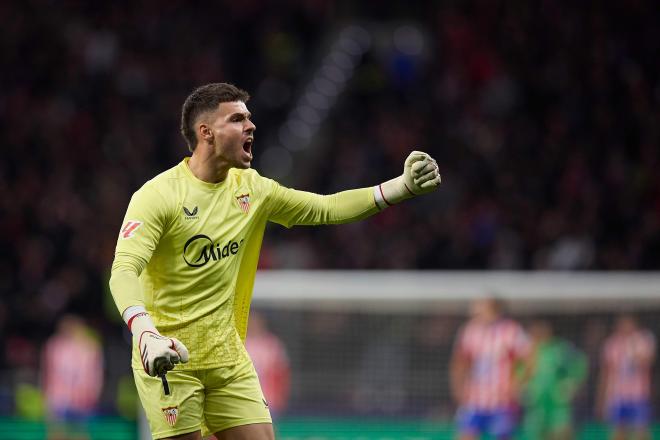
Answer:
(170, 414)
(244, 202)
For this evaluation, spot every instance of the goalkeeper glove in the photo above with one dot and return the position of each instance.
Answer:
(158, 353)
(420, 176)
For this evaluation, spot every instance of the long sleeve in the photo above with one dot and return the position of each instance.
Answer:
(292, 207)
(124, 282)
(145, 220)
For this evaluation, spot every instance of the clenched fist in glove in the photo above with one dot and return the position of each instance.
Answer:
(420, 175)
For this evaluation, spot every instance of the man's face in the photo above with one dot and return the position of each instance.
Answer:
(233, 134)
(626, 324)
(484, 310)
(540, 331)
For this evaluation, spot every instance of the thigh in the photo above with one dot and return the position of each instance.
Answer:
(502, 423)
(616, 414)
(178, 413)
(534, 422)
(640, 415)
(234, 398)
(560, 418)
(197, 435)
(255, 431)
(470, 422)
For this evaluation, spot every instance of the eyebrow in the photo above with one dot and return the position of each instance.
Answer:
(247, 115)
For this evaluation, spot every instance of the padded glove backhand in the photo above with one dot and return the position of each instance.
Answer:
(421, 173)
(420, 176)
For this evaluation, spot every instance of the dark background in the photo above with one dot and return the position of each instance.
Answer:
(544, 118)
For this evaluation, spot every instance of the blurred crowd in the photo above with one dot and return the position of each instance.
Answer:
(544, 117)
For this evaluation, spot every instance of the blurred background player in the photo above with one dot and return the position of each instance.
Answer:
(482, 372)
(72, 375)
(270, 359)
(552, 375)
(624, 387)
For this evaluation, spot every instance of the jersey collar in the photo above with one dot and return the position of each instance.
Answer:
(198, 182)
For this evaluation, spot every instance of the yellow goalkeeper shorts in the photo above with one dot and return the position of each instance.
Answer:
(208, 400)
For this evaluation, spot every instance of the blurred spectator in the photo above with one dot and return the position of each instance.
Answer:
(72, 376)
(625, 380)
(552, 375)
(487, 350)
(271, 362)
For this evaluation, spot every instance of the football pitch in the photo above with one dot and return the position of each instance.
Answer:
(111, 428)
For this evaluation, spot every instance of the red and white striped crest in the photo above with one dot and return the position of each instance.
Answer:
(170, 414)
(244, 202)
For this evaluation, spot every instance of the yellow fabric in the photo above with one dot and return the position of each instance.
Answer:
(124, 279)
(196, 248)
(208, 400)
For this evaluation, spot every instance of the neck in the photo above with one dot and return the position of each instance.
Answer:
(206, 168)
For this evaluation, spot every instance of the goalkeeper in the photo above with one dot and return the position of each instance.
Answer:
(552, 375)
(186, 259)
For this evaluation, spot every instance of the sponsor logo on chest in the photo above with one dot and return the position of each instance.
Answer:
(200, 249)
(190, 214)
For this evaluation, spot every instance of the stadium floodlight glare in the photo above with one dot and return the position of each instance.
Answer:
(334, 74)
(317, 100)
(350, 46)
(300, 129)
(359, 35)
(326, 86)
(341, 60)
(323, 88)
(309, 114)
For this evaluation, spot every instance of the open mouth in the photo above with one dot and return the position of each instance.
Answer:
(247, 146)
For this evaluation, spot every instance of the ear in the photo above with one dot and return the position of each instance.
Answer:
(205, 133)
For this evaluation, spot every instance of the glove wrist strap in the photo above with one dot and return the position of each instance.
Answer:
(139, 321)
(392, 192)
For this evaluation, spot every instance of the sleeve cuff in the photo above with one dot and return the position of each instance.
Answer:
(379, 198)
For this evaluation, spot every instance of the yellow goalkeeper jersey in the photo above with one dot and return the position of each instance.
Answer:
(195, 247)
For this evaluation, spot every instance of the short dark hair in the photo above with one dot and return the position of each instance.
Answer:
(203, 99)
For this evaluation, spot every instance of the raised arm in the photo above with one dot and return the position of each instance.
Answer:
(292, 207)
